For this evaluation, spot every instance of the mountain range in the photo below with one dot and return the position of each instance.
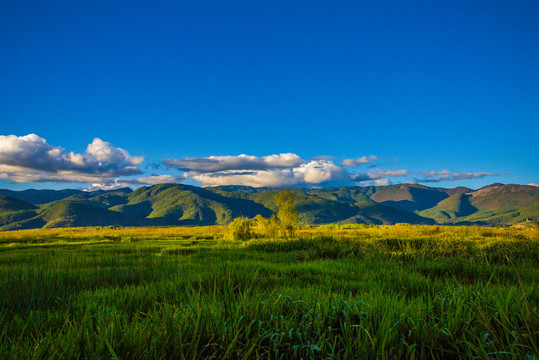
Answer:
(178, 204)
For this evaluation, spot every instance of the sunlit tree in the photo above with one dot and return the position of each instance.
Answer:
(269, 227)
(240, 229)
(287, 214)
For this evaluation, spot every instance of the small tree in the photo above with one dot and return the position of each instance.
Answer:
(269, 227)
(287, 214)
(240, 229)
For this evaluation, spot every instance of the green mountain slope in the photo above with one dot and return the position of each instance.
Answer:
(8, 203)
(10, 217)
(40, 196)
(311, 209)
(457, 205)
(369, 213)
(13, 210)
(501, 218)
(496, 204)
(72, 214)
(186, 204)
(409, 197)
(349, 194)
(139, 209)
(105, 200)
(511, 196)
(315, 210)
(177, 204)
(320, 206)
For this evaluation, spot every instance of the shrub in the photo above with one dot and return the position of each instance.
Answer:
(240, 229)
(268, 227)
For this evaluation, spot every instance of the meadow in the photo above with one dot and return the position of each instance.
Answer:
(331, 292)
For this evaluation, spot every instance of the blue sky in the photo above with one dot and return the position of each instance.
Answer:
(444, 93)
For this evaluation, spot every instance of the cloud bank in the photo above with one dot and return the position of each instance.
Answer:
(290, 169)
(359, 161)
(31, 159)
(104, 166)
(377, 177)
(276, 170)
(311, 173)
(144, 180)
(240, 162)
(446, 175)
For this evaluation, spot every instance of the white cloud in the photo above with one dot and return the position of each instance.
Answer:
(377, 175)
(109, 186)
(158, 179)
(359, 161)
(311, 173)
(104, 151)
(390, 173)
(31, 159)
(378, 182)
(240, 162)
(273, 170)
(256, 178)
(144, 180)
(446, 175)
(533, 184)
(319, 171)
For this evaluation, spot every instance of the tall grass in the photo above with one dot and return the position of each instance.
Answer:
(363, 292)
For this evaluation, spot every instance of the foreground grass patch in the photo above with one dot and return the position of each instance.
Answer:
(364, 292)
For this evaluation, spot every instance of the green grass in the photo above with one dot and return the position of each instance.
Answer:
(334, 292)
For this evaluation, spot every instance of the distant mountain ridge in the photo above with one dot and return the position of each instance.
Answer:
(37, 197)
(178, 204)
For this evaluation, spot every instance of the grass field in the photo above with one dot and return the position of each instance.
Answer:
(333, 292)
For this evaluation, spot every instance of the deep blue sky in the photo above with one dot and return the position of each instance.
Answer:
(435, 84)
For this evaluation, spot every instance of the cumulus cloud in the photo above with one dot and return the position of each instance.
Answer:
(31, 159)
(378, 182)
(311, 173)
(273, 170)
(279, 170)
(378, 174)
(446, 175)
(533, 184)
(114, 185)
(144, 180)
(319, 171)
(240, 162)
(359, 161)
(105, 152)
(377, 177)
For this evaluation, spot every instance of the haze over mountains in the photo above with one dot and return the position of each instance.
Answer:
(177, 204)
